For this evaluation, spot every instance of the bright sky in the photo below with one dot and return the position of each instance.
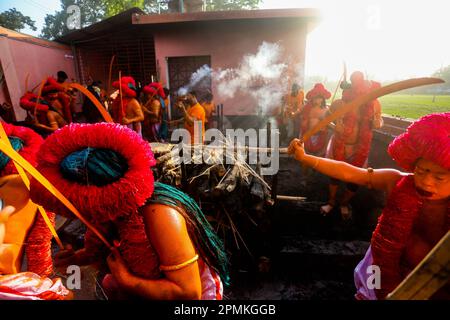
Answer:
(387, 39)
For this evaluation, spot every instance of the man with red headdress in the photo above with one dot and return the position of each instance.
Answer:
(417, 212)
(155, 123)
(165, 247)
(352, 137)
(25, 231)
(53, 110)
(313, 112)
(126, 109)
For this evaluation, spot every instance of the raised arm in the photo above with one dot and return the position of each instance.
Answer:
(381, 179)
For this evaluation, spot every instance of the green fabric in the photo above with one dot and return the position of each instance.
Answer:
(17, 144)
(94, 166)
(210, 243)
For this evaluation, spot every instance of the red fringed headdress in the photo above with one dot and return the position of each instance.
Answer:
(428, 138)
(150, 90)
(100, 203)
(31, 144)
(52, 85)
(125, 84)
(29, 101)
(318, 90)
(159, 89)
(351, 120)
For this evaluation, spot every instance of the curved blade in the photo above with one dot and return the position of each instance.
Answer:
(91, 97)
(394, 87)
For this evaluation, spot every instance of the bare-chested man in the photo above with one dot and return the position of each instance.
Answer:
(314, 111)
(153, 114)
(126, 109)
(352, 138)
(416, 215)
(53, 119)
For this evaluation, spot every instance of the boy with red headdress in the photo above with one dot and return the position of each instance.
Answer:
(352, 137)
(53, 110)
(126, 109)
(417, 212)
(155, 123)
(165, 247)
(315, 110)
(25, 231)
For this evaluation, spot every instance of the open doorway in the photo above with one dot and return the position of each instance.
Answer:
(180, 72)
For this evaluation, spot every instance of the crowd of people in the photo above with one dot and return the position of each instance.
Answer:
(156, 242)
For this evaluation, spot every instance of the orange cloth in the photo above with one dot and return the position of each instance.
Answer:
(209, 109)
(199, 114)
(295, 103)
(16, 228)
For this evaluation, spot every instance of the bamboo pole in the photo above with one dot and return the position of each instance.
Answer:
(432, 273)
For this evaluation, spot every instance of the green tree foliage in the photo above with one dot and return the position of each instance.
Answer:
(444, 74)
(93, 11)
(15, 20)
(218, 5)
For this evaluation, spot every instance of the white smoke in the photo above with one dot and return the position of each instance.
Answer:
(200, 79)
(260, 75)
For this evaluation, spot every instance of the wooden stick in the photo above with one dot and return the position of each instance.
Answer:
(121, 97)
(110, 75)
(290, 198)
(432, 273)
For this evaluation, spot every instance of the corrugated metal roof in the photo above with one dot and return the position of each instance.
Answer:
(112, 24)
(133, 18)
(168, 18)
(11, 34)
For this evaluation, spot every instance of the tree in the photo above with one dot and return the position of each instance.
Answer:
(15, 20)
(93, 11)
(219, 5)
(444, 74)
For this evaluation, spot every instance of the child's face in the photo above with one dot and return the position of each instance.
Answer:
(317, 101)
(431, 180)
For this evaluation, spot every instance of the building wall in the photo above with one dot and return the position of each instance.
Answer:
(227, 43)
(19, 58)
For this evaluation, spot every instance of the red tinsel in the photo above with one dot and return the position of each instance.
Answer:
(126, 91)
(31, 144)
(106, 203)
(120, 103)
(52, 85)
(350, 121)
(27, 104)
(393, 231)
(426, 138)
(136, 249)
(38, 247)
(119, 107)
(322, 135)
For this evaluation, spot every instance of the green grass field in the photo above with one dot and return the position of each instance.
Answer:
(414, 106)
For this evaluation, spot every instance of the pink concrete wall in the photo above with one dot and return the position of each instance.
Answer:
(19, 58)
(227, 43)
